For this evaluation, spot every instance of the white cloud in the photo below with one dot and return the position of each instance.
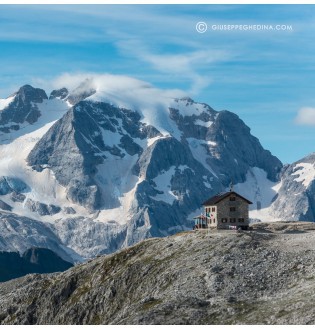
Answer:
(123, 91)
(109, 82)
(140, 33)
(184, 61)
(182, 66)
(306, 116)
(126, 92)
(190, 66)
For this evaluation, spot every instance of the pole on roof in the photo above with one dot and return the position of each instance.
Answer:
(231, 186)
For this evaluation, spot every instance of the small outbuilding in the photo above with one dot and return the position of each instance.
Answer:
(201, 221)
(227, 210)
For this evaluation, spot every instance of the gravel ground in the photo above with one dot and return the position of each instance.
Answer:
(264, 276)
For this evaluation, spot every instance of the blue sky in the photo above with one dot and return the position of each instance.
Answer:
(266, 77)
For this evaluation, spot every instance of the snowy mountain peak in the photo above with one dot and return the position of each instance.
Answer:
(295, 198)
(28, 94)
(21, 107)
(110, 160)
(4, 103)
(155, 106)
(59, 94)
(185, 99)
(86, 89)
(25, 95)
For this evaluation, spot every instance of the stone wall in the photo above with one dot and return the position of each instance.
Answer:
(223, 211)
(241, 211)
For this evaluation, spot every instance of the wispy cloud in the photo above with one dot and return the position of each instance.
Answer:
(139, 33)
(262, 76)
(189, 65)
(115, 86)
(306, 116)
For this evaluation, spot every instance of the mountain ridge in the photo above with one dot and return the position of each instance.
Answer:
(133, 162)
(224, 277)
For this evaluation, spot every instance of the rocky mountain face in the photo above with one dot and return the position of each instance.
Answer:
(130, 165)
(232, 148)
(259, 277)
(19, 233)
(296, 197)
(76, 144)
(34, 260)
(22, 108)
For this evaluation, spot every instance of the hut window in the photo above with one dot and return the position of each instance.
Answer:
(232, 219)
(232, 209)
(232, 198)
(213, 209)
(240, 219)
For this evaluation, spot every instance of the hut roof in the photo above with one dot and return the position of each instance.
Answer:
(217, 198)
(201, 216)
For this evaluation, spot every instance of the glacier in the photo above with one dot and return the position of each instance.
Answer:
(112, 160)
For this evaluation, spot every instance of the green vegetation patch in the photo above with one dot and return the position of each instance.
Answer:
(150, 304)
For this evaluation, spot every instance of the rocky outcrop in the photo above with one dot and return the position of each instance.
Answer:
(20, 233)
(59, 93)
(4, 206)
(188, 183)
(260, 277)
(22, 109)
(239, 150)
(17, 197)
(231, 149)
(83, 91)
(12, 185)
(75, 145)
(42, 208)
(69, 210)
(296, 197)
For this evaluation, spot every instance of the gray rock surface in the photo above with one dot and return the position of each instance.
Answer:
(74, 146)
(20, 233)
(59, 93)
(235, 150)
(42, 208)
(84, 90)
(22, 109)
(93, 132)
(260, 277)
(135, 180)
(296, 197)
(17, 197)
(12, 185)
(4, 206)
(90, 238)
(187, 184)
(69, 210)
